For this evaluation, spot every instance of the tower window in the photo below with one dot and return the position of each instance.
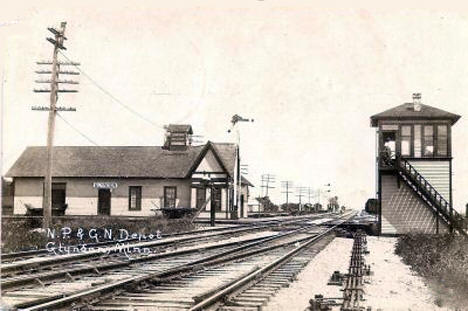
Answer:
(417, 141)
(406, 140)
(428, 140)
(442, 140)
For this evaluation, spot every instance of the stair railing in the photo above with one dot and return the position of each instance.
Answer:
(455, 217)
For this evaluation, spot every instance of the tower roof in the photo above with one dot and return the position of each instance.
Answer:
(407, 112)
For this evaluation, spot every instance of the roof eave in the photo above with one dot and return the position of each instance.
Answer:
(375, 119)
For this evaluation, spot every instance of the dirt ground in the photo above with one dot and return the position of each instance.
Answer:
(313, 279)
(392, 285)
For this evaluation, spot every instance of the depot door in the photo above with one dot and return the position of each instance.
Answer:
(242, 205)
(104, 202)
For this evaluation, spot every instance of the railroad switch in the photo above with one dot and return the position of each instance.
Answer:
(319, 303)
(336, 279)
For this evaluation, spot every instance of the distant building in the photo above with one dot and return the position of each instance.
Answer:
(133, 181)
(254, 207)
(414, 169)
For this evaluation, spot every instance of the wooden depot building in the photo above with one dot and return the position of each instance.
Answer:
(414, 169)
(133, 181)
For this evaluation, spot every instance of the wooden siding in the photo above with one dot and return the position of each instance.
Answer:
(81, 197)
(403, 211)
(437, 173)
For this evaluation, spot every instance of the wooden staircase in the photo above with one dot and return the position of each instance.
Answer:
(430, 196)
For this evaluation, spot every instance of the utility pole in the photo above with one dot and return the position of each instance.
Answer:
(300, 194)
(57, 42)
(267, 179)
(287, 185)
(309, 194)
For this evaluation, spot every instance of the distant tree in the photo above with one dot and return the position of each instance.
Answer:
(308, 208)
(317, 207)
(267, 205)
(333, 204)
(291, 208)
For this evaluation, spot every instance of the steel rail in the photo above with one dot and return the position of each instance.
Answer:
(158, 276)
(241, 227)
(50, 260)
(255, 274)
(8, 283)
(34, 252)
(47, 276)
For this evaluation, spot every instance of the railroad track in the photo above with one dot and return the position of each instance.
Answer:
(27, 254)
(20, 290)
(157, 245)
(90, 292)
(9, 258)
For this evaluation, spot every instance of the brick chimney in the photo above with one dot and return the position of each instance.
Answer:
(178, 136)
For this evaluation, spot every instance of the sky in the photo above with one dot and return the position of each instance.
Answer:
(310, 77)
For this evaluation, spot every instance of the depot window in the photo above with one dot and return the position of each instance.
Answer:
(201, 197)
(134, 198)
(216, 198)
(170, 197)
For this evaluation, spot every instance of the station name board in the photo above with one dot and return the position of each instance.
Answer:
(105, 185)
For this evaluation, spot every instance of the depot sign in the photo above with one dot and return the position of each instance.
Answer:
(105, 185)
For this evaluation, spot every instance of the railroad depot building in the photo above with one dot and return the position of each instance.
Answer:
(133, 181)
(414, 169)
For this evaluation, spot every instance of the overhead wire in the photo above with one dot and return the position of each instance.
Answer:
(77, 130)
(115, 99)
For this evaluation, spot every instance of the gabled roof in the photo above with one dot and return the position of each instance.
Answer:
(210, 146)
(100, 161)
(407, 112)
(245, 181)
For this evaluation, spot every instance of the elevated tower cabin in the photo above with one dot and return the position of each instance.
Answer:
(414, 169)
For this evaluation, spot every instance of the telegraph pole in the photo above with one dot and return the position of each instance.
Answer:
(267, 179)
(309, 193)
(300, 194)
(57, 42)
(287, 184)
